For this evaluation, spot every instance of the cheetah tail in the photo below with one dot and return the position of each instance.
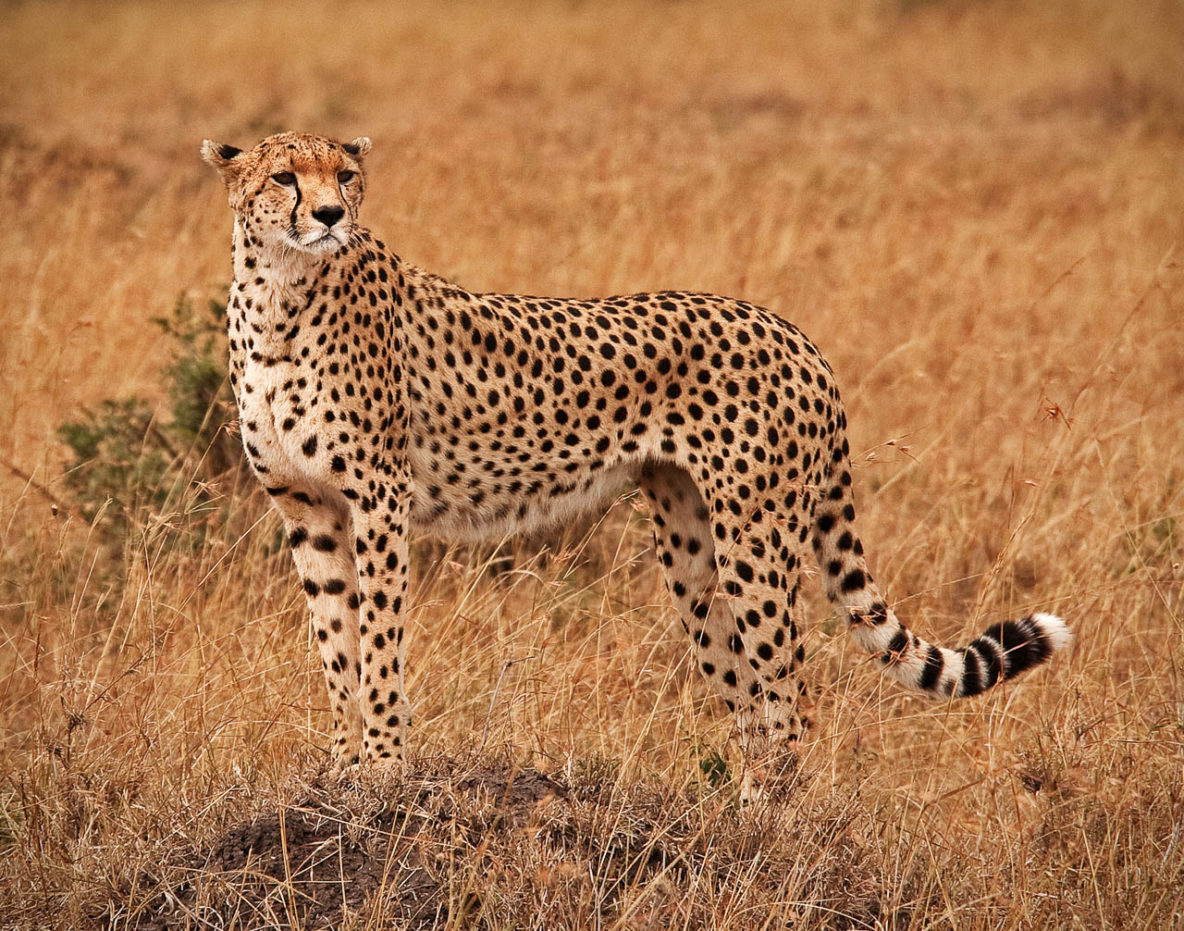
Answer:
(1002, 651)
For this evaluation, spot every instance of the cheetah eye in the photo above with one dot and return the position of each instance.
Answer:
(345, 177)
(286, 178)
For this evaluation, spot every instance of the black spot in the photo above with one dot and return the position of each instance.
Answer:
(988, 649)
(896, 645)
(934, 663)
(853, 581)
(877, 614)
(971, 679)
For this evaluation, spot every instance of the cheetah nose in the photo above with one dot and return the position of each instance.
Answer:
(328, 215)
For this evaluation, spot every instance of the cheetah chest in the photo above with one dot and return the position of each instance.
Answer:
(281, 433)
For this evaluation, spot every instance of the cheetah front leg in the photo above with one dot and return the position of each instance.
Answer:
(320, 536)
(380, 518)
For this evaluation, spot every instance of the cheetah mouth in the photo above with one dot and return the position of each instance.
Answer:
(317, 242)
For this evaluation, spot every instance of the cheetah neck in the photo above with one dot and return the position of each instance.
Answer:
(276, 274)
(270, 288)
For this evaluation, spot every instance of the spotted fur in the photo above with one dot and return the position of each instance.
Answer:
(376, 397)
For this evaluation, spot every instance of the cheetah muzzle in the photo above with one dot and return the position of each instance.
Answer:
(375, 397)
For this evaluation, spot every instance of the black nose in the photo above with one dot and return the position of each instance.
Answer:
(328, 215)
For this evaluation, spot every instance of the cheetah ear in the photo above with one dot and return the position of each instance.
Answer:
(358, 148)
(226, 159)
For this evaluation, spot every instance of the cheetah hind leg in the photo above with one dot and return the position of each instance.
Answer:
(686, 550)
(759, 561)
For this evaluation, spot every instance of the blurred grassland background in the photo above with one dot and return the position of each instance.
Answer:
(975, 209)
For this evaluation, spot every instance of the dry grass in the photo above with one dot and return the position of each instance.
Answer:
(977, 211)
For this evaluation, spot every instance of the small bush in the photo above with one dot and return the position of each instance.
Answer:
(129, 463)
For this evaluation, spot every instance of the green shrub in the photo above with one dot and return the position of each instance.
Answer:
(130, 461)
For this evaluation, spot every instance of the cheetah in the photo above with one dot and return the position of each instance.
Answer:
(375, 398)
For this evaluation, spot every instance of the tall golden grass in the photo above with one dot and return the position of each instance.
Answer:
(975, 209)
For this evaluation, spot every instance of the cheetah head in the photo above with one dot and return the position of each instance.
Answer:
(293, 191)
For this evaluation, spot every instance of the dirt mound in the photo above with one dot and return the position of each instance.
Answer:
(498, 847)
(340, 849)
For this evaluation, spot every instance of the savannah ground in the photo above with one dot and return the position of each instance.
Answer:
(977, 212)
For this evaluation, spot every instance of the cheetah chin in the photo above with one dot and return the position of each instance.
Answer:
(375, 396)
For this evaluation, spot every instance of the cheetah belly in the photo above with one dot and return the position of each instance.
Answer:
(492, 511)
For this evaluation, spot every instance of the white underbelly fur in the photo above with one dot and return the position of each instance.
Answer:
(456, 520)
